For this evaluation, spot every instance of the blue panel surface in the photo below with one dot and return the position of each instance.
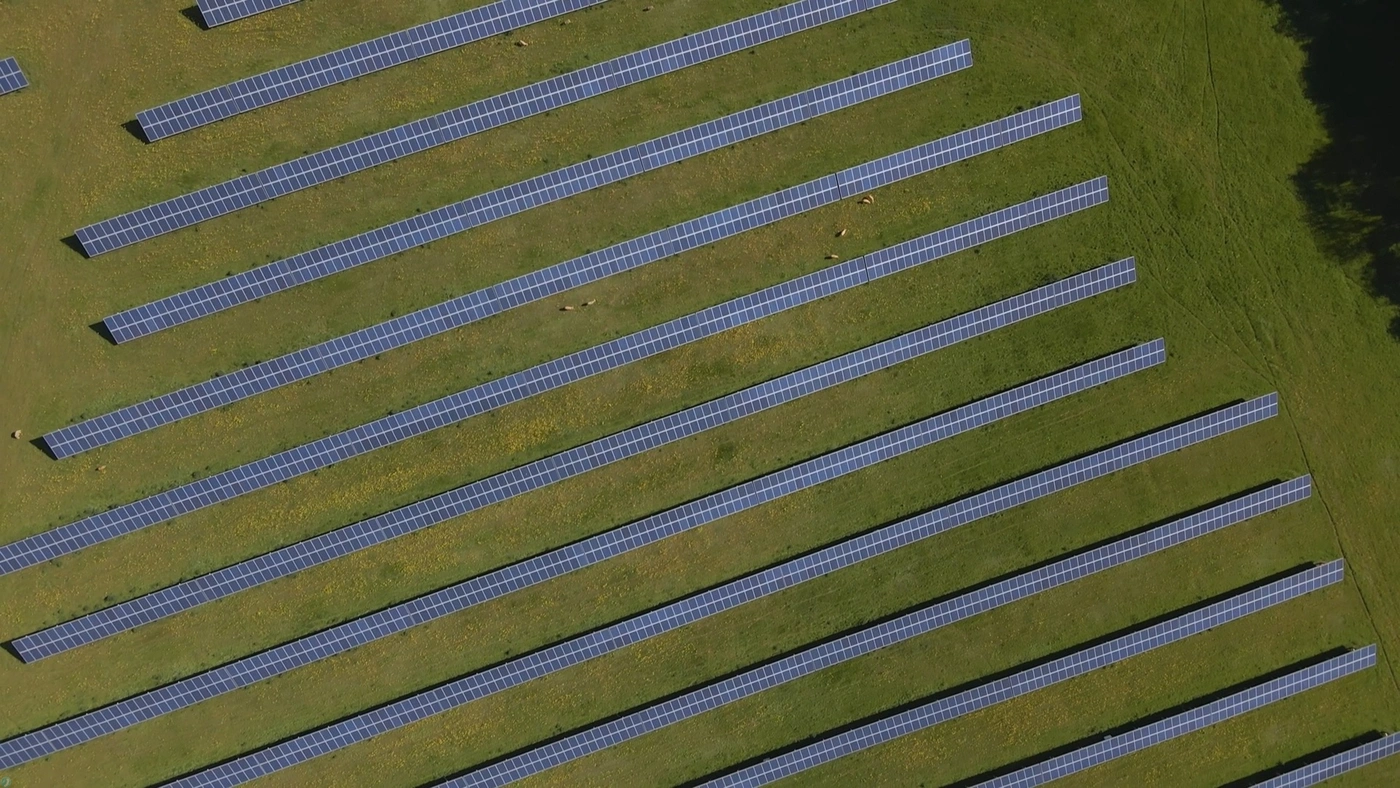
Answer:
(445, 127)
(549, 470)
(601, 547)
(390, 429)
(1188, 721)
(341, 65)
(218, 12)
(859, 644)
(476, 211)
(534, 286)
(1047, 674)
(1341, 763)
(530, 572)
(691, 609)
(11, 78)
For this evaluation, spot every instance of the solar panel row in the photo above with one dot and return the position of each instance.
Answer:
(820, 657)
(1188, 721)
(509, 484)
(523, 574)
(1336, 765)
(727, 597)
(512, 388)
(1039, 677)
(560, 184)
(528, 288)
(11, 78)
(346, 64)
(419, 135)
(589, 552)
(218, 12)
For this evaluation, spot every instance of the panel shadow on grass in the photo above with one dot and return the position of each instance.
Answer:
(1351, 185)
(193, 14)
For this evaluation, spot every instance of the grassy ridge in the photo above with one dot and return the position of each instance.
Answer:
(1197, 136)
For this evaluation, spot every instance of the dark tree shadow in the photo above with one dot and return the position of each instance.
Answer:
(1351, 186)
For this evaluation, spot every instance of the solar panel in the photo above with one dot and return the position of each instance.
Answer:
(499, 583)
(345, 64)
(805, 663)
(533, 476)
(1023, 682)
(148, 511)
(396, 427)
(560, 184)
(540, 284)
(588, 552)
(697, 607)
(218, 12)
(530, 572)
(1189, 721)
(1336, 765)
(11, 78)
(455, 124)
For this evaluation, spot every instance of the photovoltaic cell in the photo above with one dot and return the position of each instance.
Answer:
(512, 388)
(536, 475)
(1189, 721)
(575, 179)
(11, 78)
(579, 555)
(694, 608)
(345, 64)
(1338, 764)
(1047, 674)
(218, 12)
(530, 572)
(489, 301)
(534, 192)
(805, 663)
(464, 121)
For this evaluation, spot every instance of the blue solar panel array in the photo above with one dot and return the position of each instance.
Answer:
(345, 64)
(218, 12)
(1336, 765)
(1047, 674)
(727, 597)
(11, 78)
(541, 473)
(452, 409)
(907, 531)
(543, 283)
(1188, 721)
(588, 552)
(575, 179)
(456, 124)
(820, 657)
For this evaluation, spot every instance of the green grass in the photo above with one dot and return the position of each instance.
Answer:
(1195, 113)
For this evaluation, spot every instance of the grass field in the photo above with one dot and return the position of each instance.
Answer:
(1200, 115)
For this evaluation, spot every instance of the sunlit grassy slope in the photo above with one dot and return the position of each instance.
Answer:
(1195, 112)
